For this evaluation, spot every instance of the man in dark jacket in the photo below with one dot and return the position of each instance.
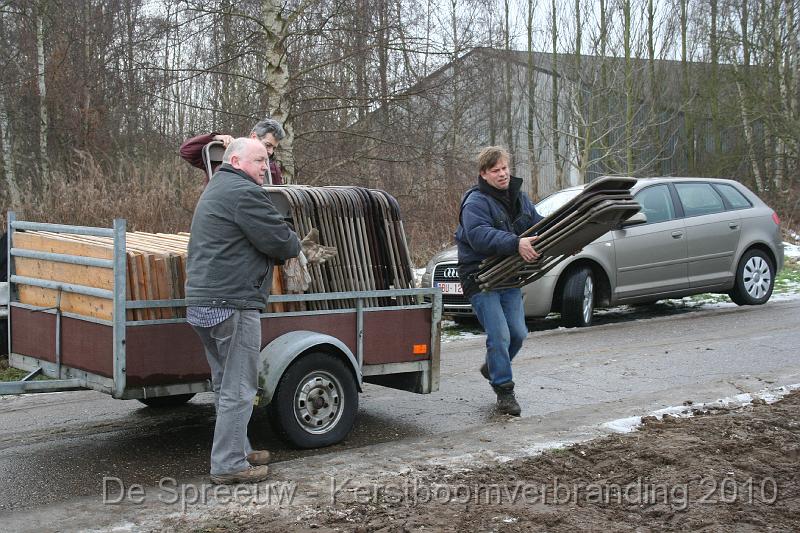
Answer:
(269, 132)
(236, 237)
(493, 215)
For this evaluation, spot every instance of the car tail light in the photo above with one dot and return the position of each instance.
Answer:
(776, 219)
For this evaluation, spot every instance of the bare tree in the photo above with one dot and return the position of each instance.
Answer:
(533, 150)
(44, 127)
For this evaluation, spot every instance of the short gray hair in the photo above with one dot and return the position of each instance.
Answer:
(236, 147)
(268, 125)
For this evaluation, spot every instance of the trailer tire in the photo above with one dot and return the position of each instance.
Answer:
(164, 402)
(316, 401)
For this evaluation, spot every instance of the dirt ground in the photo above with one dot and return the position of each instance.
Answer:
(722, 470)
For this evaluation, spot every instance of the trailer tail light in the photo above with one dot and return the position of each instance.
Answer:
(776, 219)
(420, 349)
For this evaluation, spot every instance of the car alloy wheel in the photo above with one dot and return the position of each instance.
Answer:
(755, 279)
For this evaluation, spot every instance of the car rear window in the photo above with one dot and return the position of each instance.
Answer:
(699, 199)
(736, 199)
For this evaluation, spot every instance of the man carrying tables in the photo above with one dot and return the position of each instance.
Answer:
(493, 215)
(267, 131)
(237, 235)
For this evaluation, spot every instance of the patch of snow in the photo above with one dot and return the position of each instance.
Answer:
(631, 423)
(791, 250)
(418, 273)
(540, 447)
(786, 296)
(623, 425)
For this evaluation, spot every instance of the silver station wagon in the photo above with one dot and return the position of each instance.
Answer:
(692, 235)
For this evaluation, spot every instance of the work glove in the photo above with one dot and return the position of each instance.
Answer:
(315, 252)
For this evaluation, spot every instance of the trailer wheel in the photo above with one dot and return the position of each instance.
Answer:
(316, 401)
(163, 402)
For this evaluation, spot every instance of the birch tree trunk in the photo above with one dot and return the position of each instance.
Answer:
(44, 162)
(277, 79)
(8, 158)
(5, 142)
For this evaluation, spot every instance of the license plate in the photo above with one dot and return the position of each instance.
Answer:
(450, 288)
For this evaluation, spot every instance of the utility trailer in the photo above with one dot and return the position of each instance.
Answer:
(312, 363)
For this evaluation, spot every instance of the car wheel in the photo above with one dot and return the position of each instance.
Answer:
(577, 300)
(316, 401)
(755, 279)
(164, 402)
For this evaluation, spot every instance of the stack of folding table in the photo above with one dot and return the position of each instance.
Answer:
(365, 227)
(601, 206)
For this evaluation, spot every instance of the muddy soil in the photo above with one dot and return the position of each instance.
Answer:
(722, 470)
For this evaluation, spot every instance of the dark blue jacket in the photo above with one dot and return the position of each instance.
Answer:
(488, 226)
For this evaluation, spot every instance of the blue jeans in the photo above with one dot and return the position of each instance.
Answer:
(502, 316)
(232, 348)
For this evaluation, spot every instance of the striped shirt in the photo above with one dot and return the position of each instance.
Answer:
(207, 317)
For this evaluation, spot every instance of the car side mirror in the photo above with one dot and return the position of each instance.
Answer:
(635, 220)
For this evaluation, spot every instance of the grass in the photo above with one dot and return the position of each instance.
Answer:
(9, 374)
(788, 281)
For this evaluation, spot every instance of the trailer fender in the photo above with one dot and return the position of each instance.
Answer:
(276, 357)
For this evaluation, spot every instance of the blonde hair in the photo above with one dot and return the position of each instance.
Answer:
(490, 156)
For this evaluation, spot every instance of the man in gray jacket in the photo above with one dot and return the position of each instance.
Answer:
(236, 237)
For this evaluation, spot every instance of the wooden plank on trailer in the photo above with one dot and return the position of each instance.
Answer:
(145, 289)
(78, 304)
(89, 276)
(277, 289)
(33, 240)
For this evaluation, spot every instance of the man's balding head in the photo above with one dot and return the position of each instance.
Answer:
(249, 156)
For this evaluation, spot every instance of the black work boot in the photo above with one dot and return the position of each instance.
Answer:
(485, 371)
(506, 401)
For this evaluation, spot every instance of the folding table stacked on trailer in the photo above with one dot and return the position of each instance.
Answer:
(365, 227)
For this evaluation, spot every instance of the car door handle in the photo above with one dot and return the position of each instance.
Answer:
(733, 225)
(677, 234)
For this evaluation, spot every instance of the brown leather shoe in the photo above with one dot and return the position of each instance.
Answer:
(254, 474)
(259, 457)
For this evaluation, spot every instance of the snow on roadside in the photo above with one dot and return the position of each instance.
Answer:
(632, 423)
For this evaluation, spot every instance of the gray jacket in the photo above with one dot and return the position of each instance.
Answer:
(236, 237)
